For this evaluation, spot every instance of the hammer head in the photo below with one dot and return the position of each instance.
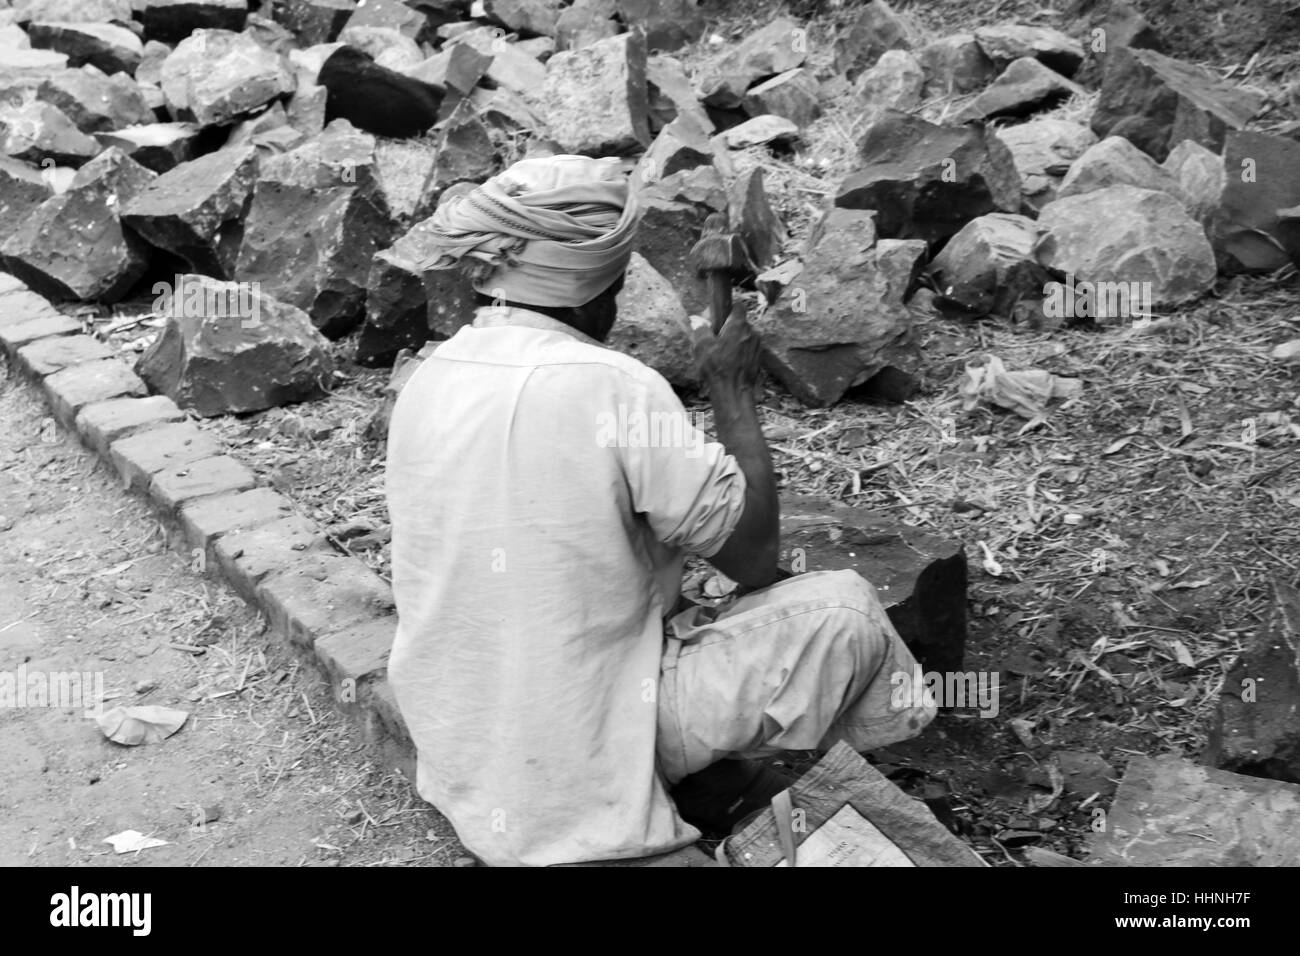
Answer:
(719, 249)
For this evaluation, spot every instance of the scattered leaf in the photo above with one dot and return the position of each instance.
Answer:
(1181, 653)
(1287, 352)
(133, 841)
(132, 726)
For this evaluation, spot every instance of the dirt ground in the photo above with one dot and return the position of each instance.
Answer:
(87, 585)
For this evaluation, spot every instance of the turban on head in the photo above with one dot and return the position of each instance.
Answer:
(553, 231)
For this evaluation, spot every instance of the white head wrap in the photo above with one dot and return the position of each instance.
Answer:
(554, 231)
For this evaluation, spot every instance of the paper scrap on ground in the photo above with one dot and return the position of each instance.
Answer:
(140, 725)
(132, 841)
(1025, 392)
(848, 839)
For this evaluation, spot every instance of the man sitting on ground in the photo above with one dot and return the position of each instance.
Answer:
(537, 557)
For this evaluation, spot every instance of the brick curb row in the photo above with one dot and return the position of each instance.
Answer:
(330, 607)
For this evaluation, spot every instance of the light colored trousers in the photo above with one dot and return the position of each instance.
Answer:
(799, 665)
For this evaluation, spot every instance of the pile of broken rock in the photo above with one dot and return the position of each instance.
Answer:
(297, 149)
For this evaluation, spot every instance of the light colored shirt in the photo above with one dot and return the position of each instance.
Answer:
(543, 491)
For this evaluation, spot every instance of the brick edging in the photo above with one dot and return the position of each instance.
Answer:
(329, 606)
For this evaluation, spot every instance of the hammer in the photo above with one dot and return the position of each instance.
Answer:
(719, 256)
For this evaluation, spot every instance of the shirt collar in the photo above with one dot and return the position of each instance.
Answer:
(489, 316)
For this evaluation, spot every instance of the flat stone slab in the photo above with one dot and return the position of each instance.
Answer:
(101, 423)
(14, 336)
(72, 389)
(359, 652)
(920, 577)
(321, 593)
(19, 304)
(221, 474)
(47, 356)
(139, 457)
(1172, 812)
(1257, 727)
(206, 519)
(246, 557)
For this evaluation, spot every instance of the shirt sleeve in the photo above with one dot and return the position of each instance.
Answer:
(690, 490)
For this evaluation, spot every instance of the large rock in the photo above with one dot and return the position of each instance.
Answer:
(594, 99)
(1263, 179)
(919, 577)
(215, 76)
(73, 245)
(317, 218)
(667, 24)
(227, 348)
(752, 218)
(394, 15)
(792, 94)
(1043, 151)
(680, 145)
(403, 168)
(149, 70)
(464, 154)
(72, 11)
(1157, 102)
(22, 189)
(95, 102)
(374, 98)
(505, 111)
(759, 131)
(40, 132)
(407, 304)
(775, 48)
(841, 322)
(173, 20)
(1007, 42)
(1024, 87)
(385, 45)
(955, 64)
(1170, 812)
(26, 68)
(894, 83)
(196, 210)
(701, 186)
(316, 21)
(1257, 728)
(877, 29)
(1201, 178)
(508, 66)
(112, 48)
(667, 231)
(586, 22)
(1113, 162)
(1120, 26)
(990, 265)
(927, 181)
(527, 17)
(1149, 238)
(155, 146)
(671, 94)
(652, 326)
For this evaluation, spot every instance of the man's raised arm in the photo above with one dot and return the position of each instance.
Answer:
(729, 364)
